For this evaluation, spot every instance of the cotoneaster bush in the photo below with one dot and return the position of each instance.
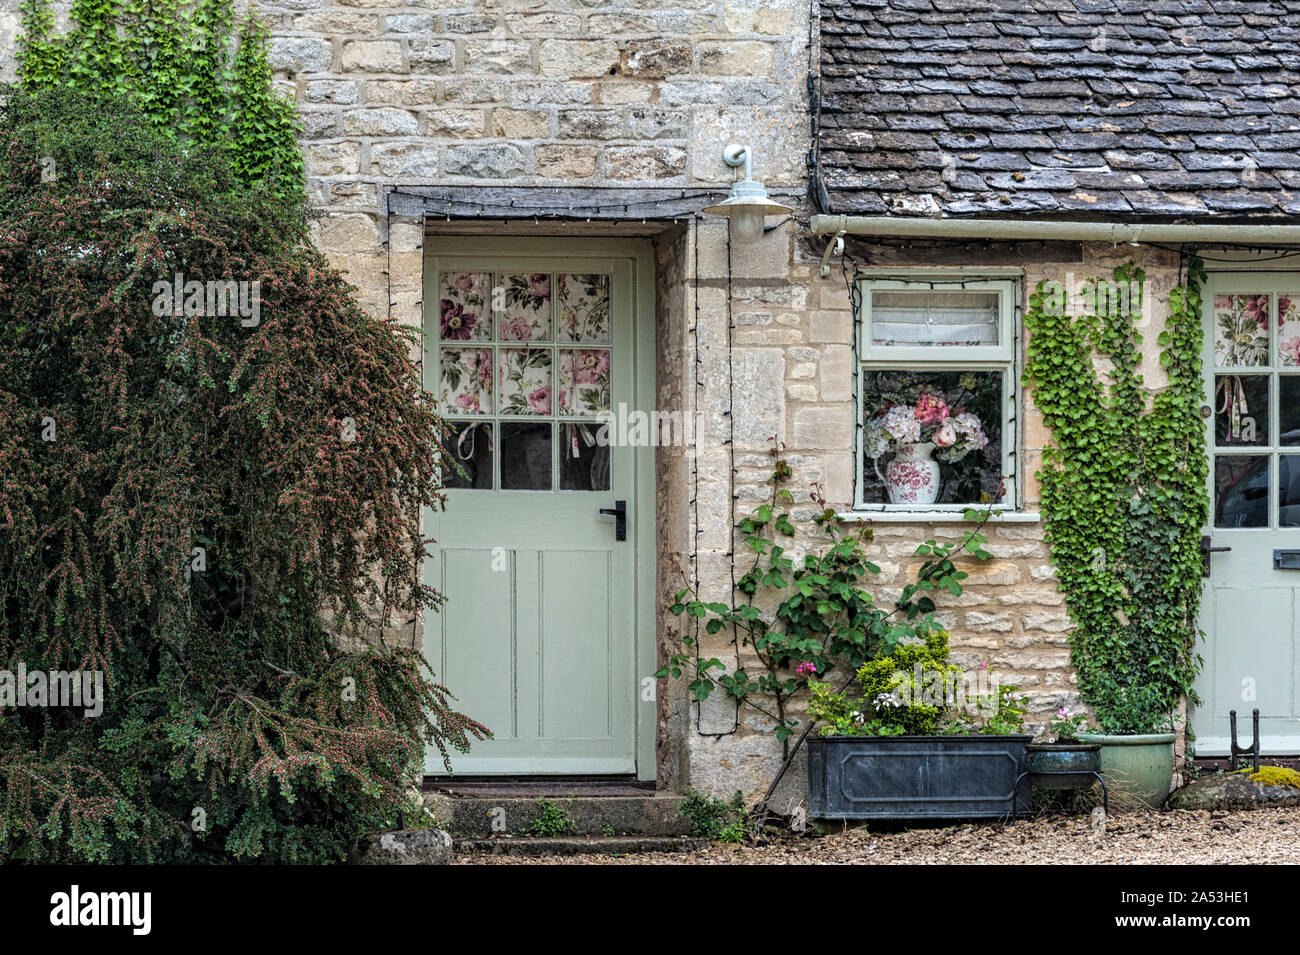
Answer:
(193, 504)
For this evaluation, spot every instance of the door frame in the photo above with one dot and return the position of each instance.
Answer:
(1231, 264)
(643, 520)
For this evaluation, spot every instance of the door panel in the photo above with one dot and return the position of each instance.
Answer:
(1249, 614)
(537, 638)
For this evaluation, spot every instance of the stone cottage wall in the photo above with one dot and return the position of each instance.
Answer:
(527, 93)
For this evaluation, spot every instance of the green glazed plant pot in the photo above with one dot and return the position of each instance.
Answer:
(1063, 765)
(1138, 766)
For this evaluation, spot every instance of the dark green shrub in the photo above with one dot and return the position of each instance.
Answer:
(192, 505)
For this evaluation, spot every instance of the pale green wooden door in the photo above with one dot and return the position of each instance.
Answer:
(537, 636)
(1251, 606)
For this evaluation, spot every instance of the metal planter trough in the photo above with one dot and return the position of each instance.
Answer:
(917, 777)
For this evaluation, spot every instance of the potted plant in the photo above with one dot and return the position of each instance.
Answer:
(1137, 742)
(914, 425)
(910, 743)
(1062, 760)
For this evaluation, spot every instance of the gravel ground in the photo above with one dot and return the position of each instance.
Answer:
(1251, 837)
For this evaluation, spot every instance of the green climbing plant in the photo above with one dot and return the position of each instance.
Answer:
(1124, 491)
(194, 73)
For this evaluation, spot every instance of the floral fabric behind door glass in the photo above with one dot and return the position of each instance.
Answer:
(498, 358)
(1288, 324)
(584, 381)
(1240, 330)
(583, 307)
(463, 306)
(466, 380)
(524, 381)
(527, 306)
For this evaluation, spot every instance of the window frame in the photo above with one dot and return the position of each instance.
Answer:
(1004, 357)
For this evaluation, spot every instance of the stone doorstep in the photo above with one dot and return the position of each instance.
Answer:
(471, 818)
(579, 845)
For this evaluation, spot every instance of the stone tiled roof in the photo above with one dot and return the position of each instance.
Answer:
(1143, 110)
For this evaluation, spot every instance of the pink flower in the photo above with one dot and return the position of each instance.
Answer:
(517, 329)
(539, 284)
(467, 402)
(946, 435)
(806, 668)
(984, 664)
(464, 281)
(1256, 308)
(930, 409)
(457, 324)
(1063, 713)
(539, 400)
(590, 367)
(1290, 349)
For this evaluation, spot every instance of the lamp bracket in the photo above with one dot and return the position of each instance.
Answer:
(736, 155)
(834, 246)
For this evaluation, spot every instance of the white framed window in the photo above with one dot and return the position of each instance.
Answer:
(937, 392)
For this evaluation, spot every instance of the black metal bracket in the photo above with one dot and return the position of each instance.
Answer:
(1253, 748)
(1105, 792)
(619, 510)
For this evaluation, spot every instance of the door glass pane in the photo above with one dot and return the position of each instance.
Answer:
(1241, 409)
(526, 307)
(463, 306)
(525, 456)
(1288, 325)
(582, 307)
(1241, 490)
(467, 455)
(934, 318)
(1240, 330)
(1288, 387)
(466, 380)
(584, 381)
(584, 461)
(524, 381)
(1288, 490)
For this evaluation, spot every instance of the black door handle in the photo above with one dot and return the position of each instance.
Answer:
(1206, 551)
(619, 510)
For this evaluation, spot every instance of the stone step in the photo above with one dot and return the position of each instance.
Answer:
(578, 845)
(486, 817)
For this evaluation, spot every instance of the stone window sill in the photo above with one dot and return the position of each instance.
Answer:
(935, 517)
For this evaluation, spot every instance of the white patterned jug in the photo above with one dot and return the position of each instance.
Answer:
(911, 477)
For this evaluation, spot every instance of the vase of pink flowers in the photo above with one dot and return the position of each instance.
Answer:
(917, 431)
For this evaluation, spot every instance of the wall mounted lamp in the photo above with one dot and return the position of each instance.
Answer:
(749, 203)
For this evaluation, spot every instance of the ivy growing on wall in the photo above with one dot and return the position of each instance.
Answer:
(195, 74)
(1124, 491)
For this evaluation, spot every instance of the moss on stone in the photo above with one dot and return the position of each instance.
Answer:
(1274, 776)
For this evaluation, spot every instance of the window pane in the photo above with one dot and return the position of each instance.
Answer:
(463, 306)
(1240, 330)
(1288, 490)
(466, 375)
(524, 381)
(525, 456)
(584, 461)
(467, 456)
(932, 437)
(934, 318)
(1288, 325)
(1241, 409)
(1241, 490)
(1289, 408)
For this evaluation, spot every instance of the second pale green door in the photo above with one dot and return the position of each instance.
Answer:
(537, 638)
(1251, 609)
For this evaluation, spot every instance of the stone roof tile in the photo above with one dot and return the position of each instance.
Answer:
(1159, 109)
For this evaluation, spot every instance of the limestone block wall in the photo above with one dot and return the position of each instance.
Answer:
(793, 364)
